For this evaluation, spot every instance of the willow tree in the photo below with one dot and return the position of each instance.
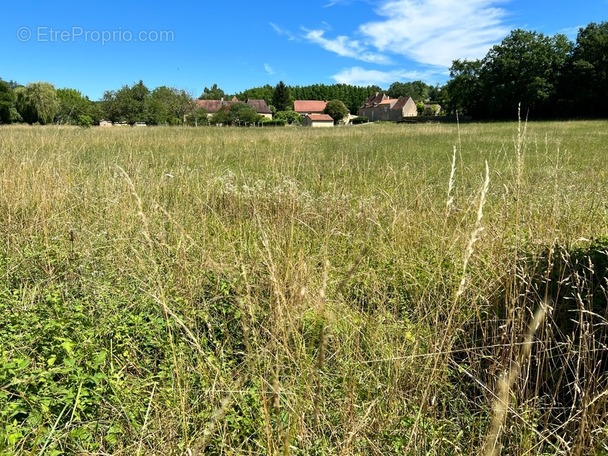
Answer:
(37, 102)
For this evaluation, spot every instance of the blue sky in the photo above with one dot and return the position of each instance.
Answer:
(98, 46)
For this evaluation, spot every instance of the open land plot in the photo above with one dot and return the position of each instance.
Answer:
(357, 290)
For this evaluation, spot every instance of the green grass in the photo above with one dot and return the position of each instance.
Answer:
(297, 291)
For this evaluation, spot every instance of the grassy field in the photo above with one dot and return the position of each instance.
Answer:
(382, 289)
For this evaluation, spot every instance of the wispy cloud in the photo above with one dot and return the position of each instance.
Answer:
(331, 3)
(436, 32)
(429, 32)
(268, 69)
(571, 32)
(281, 31)
(345, 47)
(363, 77)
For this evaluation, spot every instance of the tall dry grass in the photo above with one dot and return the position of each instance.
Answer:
(293, 291)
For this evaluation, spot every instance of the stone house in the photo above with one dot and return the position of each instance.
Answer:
(380, 107)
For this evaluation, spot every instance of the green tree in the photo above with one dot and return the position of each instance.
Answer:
(257, 93)
(242, 114)
(37, 102)
(197, 117)
(418, 90)
(213, 93)
(73, 105)
(524, 68)
(461, 94)
(586, 81)
(281, 97)
(337, 110)
(129, 104)
(220, 117)
(169, 106)
(7, 102)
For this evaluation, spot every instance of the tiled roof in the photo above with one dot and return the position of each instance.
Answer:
(401, 101)
(309, 106)
(320, 117)
(260, 106)
(374, 100)
(212, 106)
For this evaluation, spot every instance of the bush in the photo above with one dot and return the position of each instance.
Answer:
(85, 121)
(360, 120)
(273, 123)
(291, 117)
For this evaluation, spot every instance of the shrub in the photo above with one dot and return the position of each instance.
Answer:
(360, 120)
(273, 123)
(85, 121)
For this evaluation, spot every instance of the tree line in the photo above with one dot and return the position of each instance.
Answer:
(545, 76)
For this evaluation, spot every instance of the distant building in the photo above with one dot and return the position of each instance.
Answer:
(381, 107)
(213, 106)
(304, 107)
(261, 107)
(317, 120)
(105, 123)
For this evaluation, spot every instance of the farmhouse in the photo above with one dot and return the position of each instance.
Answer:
(304, 107)
(380, 107)
(261, 107)
(213, 106)
(317, 120)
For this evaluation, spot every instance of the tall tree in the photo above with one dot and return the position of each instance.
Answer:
(7, 102)
(462, 92)
(418, 90)
(169, 106)
(586, 81)
(73, 105)
(524, 68)
(212, 93)
(257, 93)
(281, 97)
(129, 104)
(37, 102)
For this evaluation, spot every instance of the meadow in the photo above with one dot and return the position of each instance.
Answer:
(434, 289)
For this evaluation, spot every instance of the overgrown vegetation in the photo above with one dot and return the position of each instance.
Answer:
(304, 291)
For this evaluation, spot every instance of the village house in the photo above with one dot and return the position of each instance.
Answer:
(380, 107)
(317, 120)
(304, 107)
(213, 106)
(261, 107)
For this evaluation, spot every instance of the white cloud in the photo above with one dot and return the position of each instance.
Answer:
(362, 77)
(345, 47)
(268, 69)
(436, 32)
(430, 32)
